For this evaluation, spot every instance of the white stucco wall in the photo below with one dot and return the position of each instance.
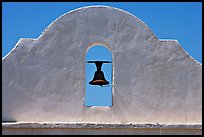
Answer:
(154, 81)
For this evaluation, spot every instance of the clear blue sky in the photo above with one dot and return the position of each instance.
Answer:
(97, 95)
(168, 20)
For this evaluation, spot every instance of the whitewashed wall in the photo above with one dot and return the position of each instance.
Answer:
(154, 81)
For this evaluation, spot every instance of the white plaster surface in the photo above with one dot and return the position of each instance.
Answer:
(154, 81)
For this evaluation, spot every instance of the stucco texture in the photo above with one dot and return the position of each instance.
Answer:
(154, 81)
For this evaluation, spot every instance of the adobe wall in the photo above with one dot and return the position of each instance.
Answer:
(154, 81)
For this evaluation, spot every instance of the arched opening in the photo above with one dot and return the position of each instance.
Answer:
(98, 94)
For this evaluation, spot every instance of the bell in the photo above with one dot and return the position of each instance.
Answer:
(99, 78)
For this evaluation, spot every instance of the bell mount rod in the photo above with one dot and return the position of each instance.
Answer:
(98, 61)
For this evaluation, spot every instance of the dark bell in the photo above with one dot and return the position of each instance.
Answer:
(99, 78)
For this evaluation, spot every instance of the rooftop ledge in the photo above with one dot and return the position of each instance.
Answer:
(9, 125)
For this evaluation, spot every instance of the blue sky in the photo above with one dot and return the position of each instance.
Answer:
(97, 95)
(168, 20)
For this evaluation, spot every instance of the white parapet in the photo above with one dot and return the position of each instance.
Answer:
(154, 81)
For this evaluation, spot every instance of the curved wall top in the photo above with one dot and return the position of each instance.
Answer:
(154, 81)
